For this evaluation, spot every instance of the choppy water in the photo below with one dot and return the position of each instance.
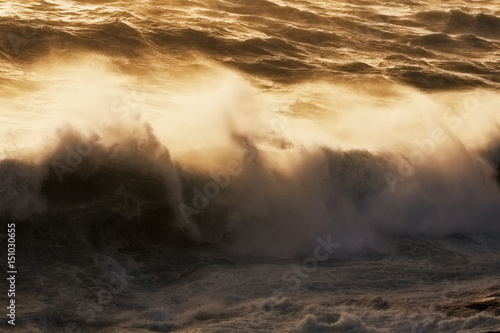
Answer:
(252, 166)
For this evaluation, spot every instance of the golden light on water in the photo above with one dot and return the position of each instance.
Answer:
(251, 165)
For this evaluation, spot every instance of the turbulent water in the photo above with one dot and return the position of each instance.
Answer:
(251, 165)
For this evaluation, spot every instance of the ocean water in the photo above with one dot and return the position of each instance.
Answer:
(251, 166)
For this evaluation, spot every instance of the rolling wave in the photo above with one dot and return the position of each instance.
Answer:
(268, 195)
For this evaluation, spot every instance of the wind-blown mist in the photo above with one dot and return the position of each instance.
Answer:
(218, 160)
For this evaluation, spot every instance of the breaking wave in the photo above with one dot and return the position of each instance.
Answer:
(269, 185)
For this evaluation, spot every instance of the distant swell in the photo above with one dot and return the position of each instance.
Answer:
(271, 41)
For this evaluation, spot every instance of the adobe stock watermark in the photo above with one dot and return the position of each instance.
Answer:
(220, 180)
(322, 252)
(366, 34)
(19, 40)
(128, 106)
(112, 282)
(406, 167)
(11, 148)
(296, 274)
(202, 197)
(11, 273)
(451, 287)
